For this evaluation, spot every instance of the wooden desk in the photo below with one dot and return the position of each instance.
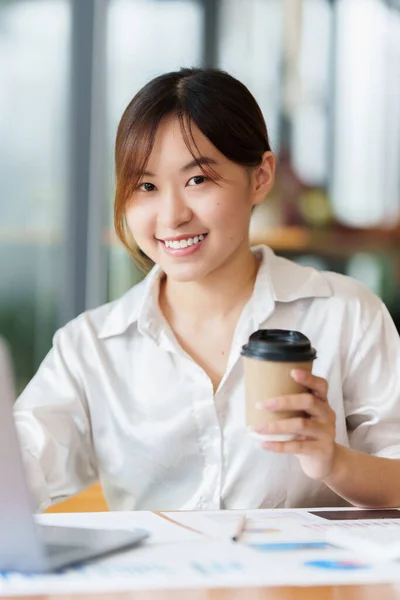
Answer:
(357, 592)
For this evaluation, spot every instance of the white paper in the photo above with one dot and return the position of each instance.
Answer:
(189, 565)
(216, 524)
(212, 526)
(284, 523)
(161, 530)
(279, 547)
(378, 543)
(199, 565)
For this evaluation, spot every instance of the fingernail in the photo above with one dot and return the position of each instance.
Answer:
(296, 374)
(267, 445)
(270, 403)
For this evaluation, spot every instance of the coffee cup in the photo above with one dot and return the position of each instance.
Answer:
(269, 357)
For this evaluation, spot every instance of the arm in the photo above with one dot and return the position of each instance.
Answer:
(365, 474)
(369, 474)
(364, 480)
(53, 423)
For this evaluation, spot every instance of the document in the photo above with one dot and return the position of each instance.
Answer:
(276, 548)
(183, 565)
(260, 523)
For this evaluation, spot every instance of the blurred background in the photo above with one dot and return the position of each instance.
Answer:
(326, 74)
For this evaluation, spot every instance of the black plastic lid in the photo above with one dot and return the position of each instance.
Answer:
(280, 345)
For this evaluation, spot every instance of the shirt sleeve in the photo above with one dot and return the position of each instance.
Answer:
(53, 424)
(372, 389)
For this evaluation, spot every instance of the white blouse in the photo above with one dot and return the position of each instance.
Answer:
(118, 400)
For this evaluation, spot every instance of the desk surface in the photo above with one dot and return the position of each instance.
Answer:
(356, 592)
(344, 592)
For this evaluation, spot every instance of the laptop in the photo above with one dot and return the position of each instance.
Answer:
(26, 546)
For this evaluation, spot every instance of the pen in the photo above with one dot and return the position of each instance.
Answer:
(240, 527)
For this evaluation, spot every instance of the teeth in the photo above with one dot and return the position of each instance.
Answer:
(184, 243)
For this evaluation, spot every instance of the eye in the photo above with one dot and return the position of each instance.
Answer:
(197, 180)
(147, 187)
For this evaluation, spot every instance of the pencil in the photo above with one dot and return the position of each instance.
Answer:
(240, 528)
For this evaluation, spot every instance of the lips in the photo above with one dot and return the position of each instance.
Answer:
(183, 245)
(184, 242)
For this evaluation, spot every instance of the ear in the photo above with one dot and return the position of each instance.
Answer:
(263, 177)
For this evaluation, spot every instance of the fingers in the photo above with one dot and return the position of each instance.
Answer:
(317, 385)
(304, 447)
(314, 434)
(300, 427)
(305, 402)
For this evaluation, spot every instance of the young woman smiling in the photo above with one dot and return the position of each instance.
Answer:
(146, 393)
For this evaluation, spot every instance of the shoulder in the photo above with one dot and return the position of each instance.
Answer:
(358, 301)
(353, 304)
(290, 278)
(105, 320)
(332, 292)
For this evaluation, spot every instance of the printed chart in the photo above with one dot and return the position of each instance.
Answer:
(275, 548)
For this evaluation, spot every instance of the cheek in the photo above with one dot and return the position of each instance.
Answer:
(139, 219)
(230, 208)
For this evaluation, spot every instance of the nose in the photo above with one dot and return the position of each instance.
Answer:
(173, 210)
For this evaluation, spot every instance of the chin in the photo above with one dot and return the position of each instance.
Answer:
(184, 273)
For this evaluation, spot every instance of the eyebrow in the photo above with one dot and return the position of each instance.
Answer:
(196, 162)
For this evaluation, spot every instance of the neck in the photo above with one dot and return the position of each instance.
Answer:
(215, 296)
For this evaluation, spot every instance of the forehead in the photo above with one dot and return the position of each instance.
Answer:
(170, 148)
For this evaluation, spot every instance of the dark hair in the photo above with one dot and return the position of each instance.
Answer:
(218, 104)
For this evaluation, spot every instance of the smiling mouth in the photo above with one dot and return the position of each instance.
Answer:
(184, 242)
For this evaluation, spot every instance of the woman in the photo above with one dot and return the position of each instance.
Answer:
(146, 393)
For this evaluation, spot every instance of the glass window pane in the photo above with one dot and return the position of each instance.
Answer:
(367, 114)
(34, 37)
(250, 48)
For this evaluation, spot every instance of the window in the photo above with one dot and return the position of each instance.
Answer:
(34, 38)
